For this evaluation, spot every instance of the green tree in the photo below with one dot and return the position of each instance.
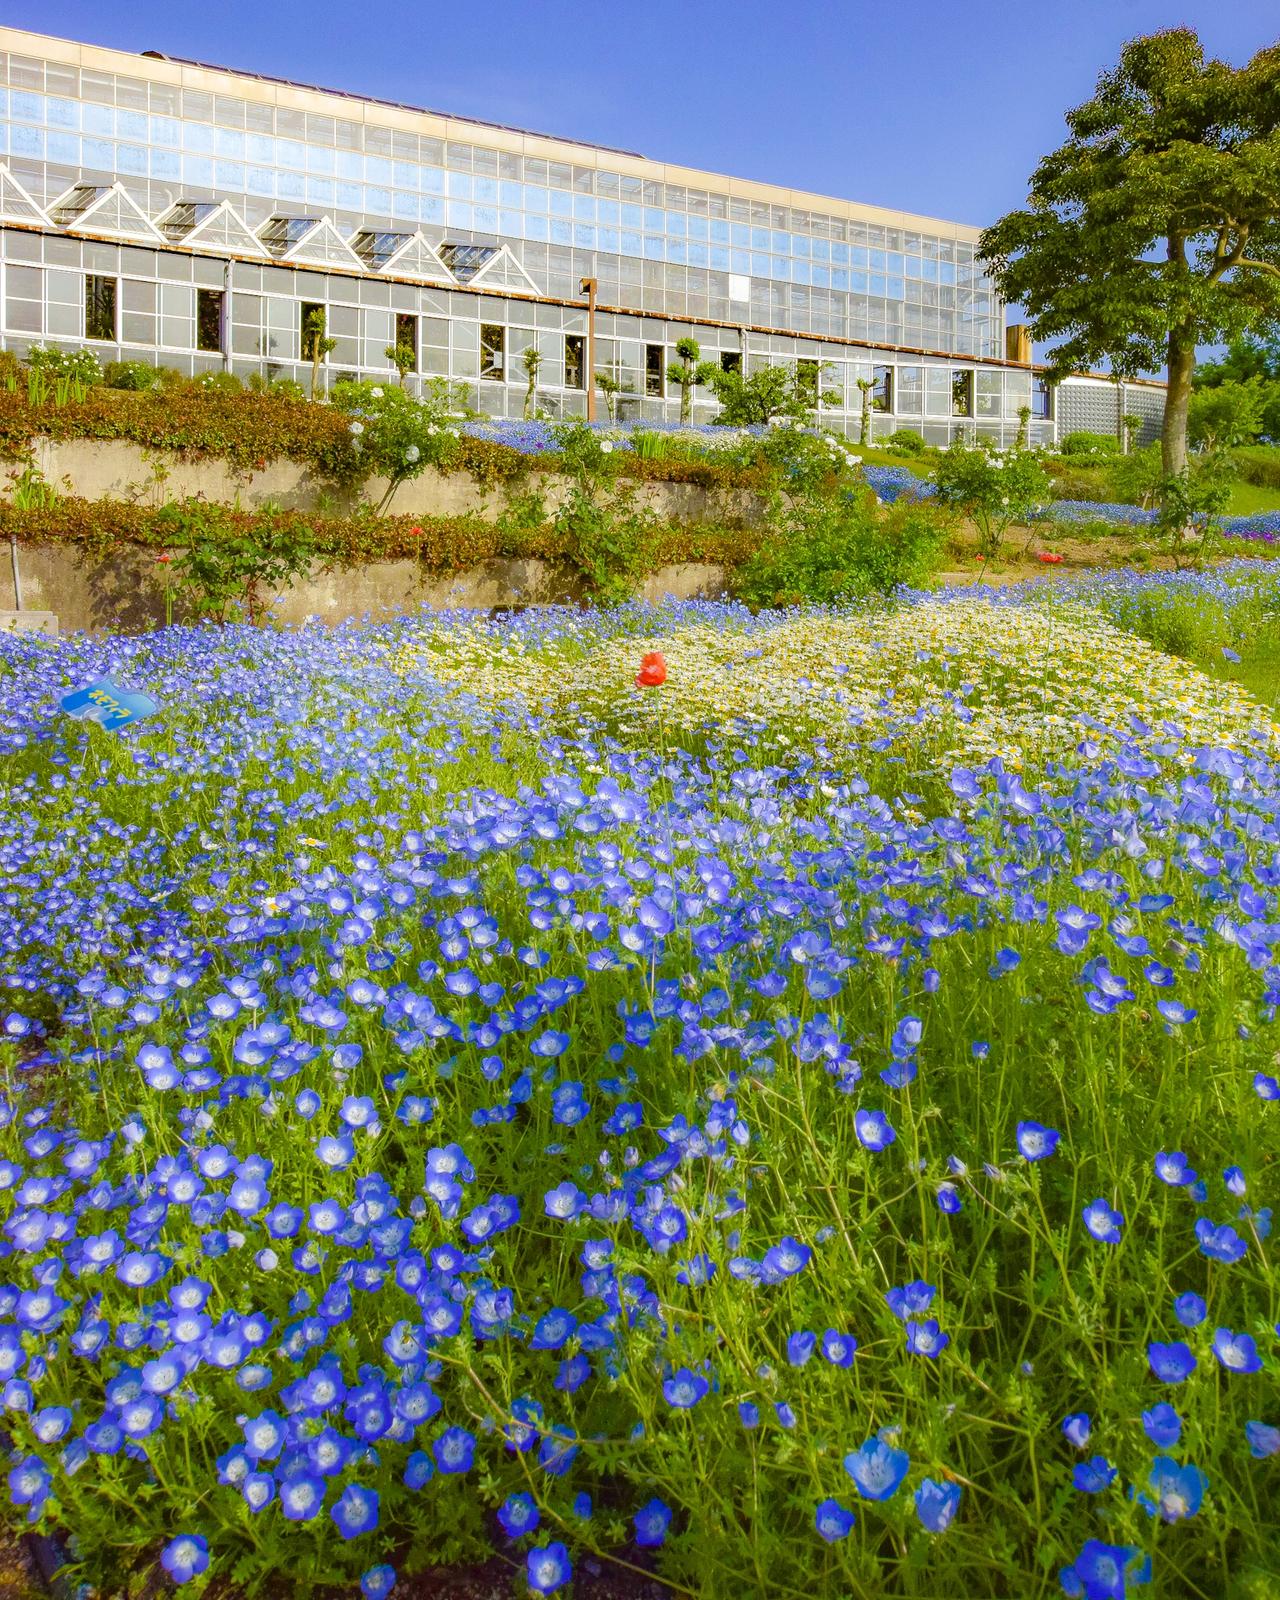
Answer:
(316, 344)
(689, 372)
(403, 358)
(768, 392)
(866, 387)
(1227, 414)
(531, 361)
(1156, 226)
(613, 388)
(1244, 358)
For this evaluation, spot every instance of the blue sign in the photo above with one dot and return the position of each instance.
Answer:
(102, 702)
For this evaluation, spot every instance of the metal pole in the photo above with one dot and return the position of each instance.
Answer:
(589, 289)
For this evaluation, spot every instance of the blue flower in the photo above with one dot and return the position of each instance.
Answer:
(910, 1299)
(1263, 1440)
(1102, 1222)
(926, 1339)
(1077, 1428)
(1237, 1352)
(1220, 1242)
(1035, 1141)
(683, 1389)
(873, 1130)
(1190, 1309)
(800, 1346)
(936, 1504)
(1172, 1168)
(651, 1523)
(839, 1348)
(356, 1511)
(1162, 1425)
(378, 1582)
(877, 1469)
(1171, 1363)
(1105, 1571)
(1178, 1490)
(185, 1557)
(833, 1521)
(548, 1567)
(1094, 1475)
(518, 1514)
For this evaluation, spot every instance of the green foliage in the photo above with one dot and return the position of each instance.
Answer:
(1097, 445)
(688, 373)
(219, 383)
(612, 388)
(994, 488)
(600, 528)
(221, 568)
(1258, 464)
(131, 375)
(392, 435)
(531, 361)
(403, 357)
(281, 388)
(907, 442)
(1191, 506)
(1227, 414)
(762, 395)
(1136, 479)
(1246, 357)
(316, 343)
(81, 365)
(828, 539)
(1156, 226)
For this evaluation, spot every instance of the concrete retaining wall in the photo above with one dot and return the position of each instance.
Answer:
(111, 469)
(126, 592)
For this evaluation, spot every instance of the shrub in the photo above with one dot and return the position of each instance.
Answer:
(994, 488)
(221, 568)
(392, 435)
(906, 441)
(132, 375)
(1090, 444)
(602, 532)
(219, 383)
(81, 365)
(1258, 464)
(828, 539)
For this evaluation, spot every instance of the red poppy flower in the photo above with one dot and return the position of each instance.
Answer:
(1049, 557)
(653, 670)
(165, 557)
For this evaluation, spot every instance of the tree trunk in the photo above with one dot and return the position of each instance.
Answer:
(1173, 438)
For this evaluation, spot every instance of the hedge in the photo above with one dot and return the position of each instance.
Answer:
(251, 430)
(102, 528)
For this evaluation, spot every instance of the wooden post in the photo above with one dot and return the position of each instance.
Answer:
(589, 289)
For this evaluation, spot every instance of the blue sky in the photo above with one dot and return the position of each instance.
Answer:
(936, 106)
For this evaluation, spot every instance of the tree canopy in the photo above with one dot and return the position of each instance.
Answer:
(1156, 226)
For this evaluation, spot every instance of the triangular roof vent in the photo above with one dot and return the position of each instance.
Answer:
(103, 208)
(503, 271)
(307, 242)
(213, 225)
(16, 205)
(401, 255)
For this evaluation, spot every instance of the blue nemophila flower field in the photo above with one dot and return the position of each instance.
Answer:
(809, 1127)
